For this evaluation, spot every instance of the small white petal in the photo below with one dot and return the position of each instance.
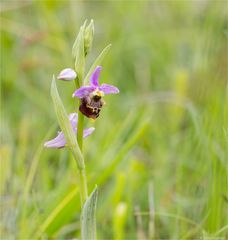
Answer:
(67, 74)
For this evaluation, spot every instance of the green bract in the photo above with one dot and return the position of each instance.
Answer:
(66, 126)
(97, 62)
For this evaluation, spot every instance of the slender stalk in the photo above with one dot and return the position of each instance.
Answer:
(80, 121)
(83, 186)
(80, 130)
(77, 82)
(82, 171)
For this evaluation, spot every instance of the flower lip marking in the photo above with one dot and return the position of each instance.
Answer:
(91, 107)
(91, 95)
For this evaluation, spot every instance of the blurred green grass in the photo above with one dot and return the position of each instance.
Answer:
(167, 128)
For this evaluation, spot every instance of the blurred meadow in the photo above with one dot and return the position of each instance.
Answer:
(159, 151)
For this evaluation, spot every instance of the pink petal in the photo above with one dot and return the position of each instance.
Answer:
(60, 141)
(73, 117)
(57, 142)
(95, 76)
(88, 131)
(108, 89)
(83, 91)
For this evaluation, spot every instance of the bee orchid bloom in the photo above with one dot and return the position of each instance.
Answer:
(91, 96)
(60, 141)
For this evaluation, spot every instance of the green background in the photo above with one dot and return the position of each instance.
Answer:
(159, 151)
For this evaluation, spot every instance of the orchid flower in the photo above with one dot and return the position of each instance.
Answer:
(60, 141)
(94, 87)
(91, 96)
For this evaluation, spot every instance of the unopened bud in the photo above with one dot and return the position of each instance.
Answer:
(67, 74)
(88, 37)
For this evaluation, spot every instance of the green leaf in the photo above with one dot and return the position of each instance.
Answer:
(97, 62)
(88, 217)
(65, 126)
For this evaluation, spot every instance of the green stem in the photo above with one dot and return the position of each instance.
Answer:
(77, 82)
(83, 186)
(82, 171)
(80, 130)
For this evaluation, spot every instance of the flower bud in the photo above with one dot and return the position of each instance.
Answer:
(88, 37)
(80, 56)
(67, 74)
(77, 41)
